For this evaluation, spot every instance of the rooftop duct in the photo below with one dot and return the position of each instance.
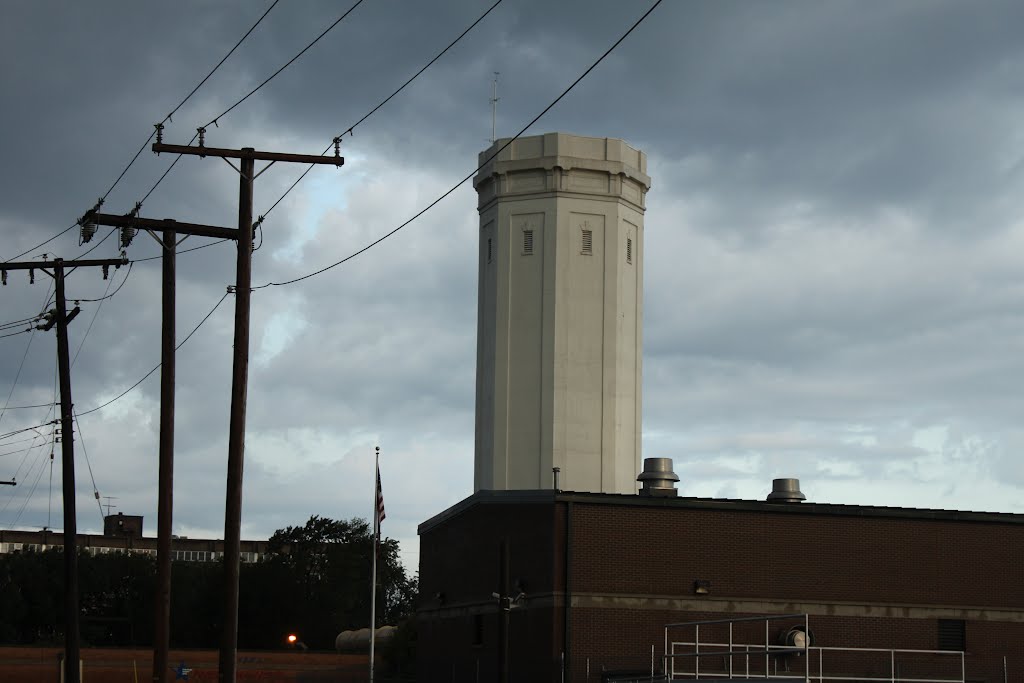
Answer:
(786, 491)
(658, 479)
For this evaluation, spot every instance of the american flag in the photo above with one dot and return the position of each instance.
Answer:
(380, 500)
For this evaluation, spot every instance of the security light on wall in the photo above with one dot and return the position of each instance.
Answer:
(701, 587)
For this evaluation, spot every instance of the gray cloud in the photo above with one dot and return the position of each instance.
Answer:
(833, 285)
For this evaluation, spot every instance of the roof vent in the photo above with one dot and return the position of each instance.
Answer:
(658, 479)
(785, 491)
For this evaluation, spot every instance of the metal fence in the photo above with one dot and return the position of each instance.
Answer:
(727, 652)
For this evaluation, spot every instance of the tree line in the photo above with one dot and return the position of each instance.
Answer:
(315, 584)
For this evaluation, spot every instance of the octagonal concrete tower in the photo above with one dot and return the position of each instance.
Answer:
(560, 314)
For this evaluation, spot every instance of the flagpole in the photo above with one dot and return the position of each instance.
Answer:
(376, 538)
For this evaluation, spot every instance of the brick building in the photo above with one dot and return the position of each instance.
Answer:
(592, 579)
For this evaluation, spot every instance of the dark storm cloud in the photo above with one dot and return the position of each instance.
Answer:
(831, 266)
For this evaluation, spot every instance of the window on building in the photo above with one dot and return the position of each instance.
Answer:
(952, 635)
(588, 242)
(629, 250)
(527, 242)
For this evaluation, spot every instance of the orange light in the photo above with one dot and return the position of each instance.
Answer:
(292, 638)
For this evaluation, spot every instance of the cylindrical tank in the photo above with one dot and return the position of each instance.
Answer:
(359, 640)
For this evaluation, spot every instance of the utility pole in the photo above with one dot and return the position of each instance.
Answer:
(61, 318)
(243, 236)
(129, 224)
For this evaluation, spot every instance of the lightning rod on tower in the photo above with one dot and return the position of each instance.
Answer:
(494, 104)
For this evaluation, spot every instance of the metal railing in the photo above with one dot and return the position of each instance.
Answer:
(768, 652)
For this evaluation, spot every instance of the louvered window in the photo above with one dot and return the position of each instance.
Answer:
(629, 250)
(588, 242)
(952, 635)
(527, 242)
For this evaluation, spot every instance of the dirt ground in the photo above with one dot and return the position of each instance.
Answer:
(42, 665)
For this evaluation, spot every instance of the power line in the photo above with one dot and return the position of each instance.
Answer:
(349, 130)
(387, 99)
(108, 296)
(189, 96)
(21, 365)
(27, 429)
(44, 243)
(287, 64)
(147, 375)
(97, 311)
(214, 121)
(150, 138)
(95, 491)
(49, 412)
(477, 169)
(38, 405)
(19, 450)
(11, 443)
(15, 323)
(30, 494)
(97, 245)
(183, 251)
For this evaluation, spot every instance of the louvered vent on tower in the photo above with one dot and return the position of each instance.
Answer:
(588, 242)
(527, 242)
(490, 250)
(629, 250)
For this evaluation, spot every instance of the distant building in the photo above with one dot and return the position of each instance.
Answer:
(122, 525)
(123, 533)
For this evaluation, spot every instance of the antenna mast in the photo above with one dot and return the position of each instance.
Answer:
(108, 504)
(494, 104)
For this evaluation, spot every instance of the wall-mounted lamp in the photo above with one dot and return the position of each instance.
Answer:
(701, 587)
(439, 597)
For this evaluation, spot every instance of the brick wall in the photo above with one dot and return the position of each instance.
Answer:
(869, 578)
(757, 554)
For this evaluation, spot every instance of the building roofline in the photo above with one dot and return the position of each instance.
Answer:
(524, 497)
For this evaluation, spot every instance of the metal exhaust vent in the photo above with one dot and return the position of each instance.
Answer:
(786, 491)
(658, 479)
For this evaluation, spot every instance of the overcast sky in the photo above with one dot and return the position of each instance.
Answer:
(833, 285)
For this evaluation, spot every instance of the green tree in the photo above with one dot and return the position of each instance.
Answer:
(315, 584)
(31, 597)
(317, 581)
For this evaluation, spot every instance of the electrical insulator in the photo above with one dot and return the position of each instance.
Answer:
(337, 146)
(128, 233)
(106, 272)
(88, 224)
(3, 276)
(31, 276)
(202, 137)
(159, 132)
